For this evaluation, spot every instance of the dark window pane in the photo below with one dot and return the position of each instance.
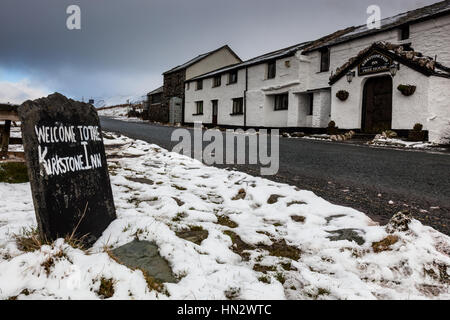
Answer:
(217, 81)
(325, 60)
(311, 104)
(233, 77)
(281, 101)
(271, 70)
(199, 85)
(238, 106)
(199, 107)
(404, 35)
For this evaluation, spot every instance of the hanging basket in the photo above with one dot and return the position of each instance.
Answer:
(407, 90)
(342, 95)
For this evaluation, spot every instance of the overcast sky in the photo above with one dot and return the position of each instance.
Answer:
(124, 45)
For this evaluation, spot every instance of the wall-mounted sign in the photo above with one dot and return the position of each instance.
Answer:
(67, 167)
(375, 63)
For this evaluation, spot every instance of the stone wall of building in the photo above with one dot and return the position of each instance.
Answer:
(173, 87)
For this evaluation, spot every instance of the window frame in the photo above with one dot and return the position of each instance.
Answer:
(325, 59)
(230, 74)
(198, 106)
(216, 103)
(237, 109)
(272, 64)
(405, 32)
(217, 83)
(281, 102)
(311, 104)
(199, 85)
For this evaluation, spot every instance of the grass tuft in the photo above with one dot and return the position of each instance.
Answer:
(226, 221)
(13, 172)
(106, 289)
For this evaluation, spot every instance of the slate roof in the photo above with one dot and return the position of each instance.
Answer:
(199, 58)
(402, 53)
(159, 90)
(421, 14)
(286, 52)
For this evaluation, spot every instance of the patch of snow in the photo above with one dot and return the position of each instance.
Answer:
(325, 269)
(393, 142)
(118, 113)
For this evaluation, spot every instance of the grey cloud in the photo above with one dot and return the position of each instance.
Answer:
(125, 45)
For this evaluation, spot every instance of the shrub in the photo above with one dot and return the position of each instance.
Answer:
(332, 129)
(13, 172)
(417, 134)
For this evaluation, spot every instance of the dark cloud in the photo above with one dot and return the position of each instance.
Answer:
(125, 45)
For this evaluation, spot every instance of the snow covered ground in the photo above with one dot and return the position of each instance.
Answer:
(394, 142)
(264, 240)
(119, 113)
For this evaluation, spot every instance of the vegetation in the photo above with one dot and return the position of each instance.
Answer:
(106, 289)
(13, 172)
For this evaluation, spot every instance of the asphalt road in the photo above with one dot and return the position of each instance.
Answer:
(376, 181)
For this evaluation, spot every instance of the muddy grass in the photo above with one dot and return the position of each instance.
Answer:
(195, 234)
(278, 248)
(240, 195)
(140, 180)
(264, 269)
(274, 198)
(13, 172)
(178, 201)
(227, 222)
(385, 244)
(295, 202)
(106, 289)
(300, 219)
(239, 247)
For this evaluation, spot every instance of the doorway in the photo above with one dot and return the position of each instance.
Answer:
(377, 105)
(214, 111)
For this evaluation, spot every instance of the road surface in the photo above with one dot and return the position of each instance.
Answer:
(377, 181)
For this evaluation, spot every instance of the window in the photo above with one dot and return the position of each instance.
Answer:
(199, 107)
(232, 77)
(215, 104)
(325, 60)
(271, 70)
(217, 81)
(199, 84)
(281, 101)
(187, 85)
(238, 106)
(311, 104)
(404, 32)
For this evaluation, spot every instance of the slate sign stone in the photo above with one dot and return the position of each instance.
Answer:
(67, 167)
(375, 63)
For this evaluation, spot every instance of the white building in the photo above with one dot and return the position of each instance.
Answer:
(295, 88)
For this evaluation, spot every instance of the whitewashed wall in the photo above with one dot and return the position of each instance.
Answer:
(438, 120)
(430, 37)
(406, 111)
(261, 91)
(224, 94)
